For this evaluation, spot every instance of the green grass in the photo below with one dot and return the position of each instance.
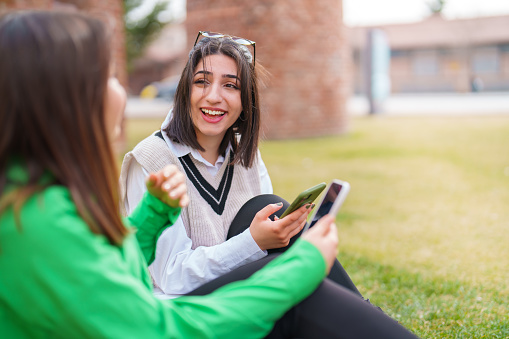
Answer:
(425, 228)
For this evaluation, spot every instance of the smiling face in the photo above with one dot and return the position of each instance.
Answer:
(215, 98)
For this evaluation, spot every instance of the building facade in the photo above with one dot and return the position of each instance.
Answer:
(111, 8)
(438, 55)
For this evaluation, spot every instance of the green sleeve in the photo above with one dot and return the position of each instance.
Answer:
(61, 280)
(151, 217)
(249, 308)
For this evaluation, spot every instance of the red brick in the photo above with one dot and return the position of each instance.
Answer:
(110, 8)
(302, 44)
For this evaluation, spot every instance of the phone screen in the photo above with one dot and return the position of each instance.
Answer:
(331, 201)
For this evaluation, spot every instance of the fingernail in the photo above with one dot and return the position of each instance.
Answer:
(166, 186)
(166, 173)
(279, 204)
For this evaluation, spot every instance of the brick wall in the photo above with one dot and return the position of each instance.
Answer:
(106, 8)
(110, 8)
(302, 44)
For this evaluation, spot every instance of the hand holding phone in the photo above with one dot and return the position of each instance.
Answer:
(305, 197)
(330, 203)
(324, 235)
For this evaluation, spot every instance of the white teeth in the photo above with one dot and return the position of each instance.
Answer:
(210, 112)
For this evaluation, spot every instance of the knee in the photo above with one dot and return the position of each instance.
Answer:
(248, 211)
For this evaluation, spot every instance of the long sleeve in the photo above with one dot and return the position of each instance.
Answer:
(178, 269)
(265, 182)
(60, 280)
(249, 308)
(151, 217)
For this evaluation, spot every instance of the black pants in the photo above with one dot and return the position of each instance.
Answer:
(335, 309)
(331, 311)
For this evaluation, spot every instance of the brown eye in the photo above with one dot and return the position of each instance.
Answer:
(200, 81)
(234, 86)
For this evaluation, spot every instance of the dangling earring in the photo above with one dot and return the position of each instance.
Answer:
(242, 116)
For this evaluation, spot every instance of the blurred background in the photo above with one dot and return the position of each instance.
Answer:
(327, 60)
(405, 99)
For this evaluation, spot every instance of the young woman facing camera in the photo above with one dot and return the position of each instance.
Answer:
(212, 135)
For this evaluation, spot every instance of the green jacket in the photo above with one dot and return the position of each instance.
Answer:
(59, 280)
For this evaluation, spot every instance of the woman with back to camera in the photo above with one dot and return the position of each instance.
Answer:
(70, 267)
(212, 135)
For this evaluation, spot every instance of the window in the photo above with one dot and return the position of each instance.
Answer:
(398, 53)
(485, 60)
(425, 62)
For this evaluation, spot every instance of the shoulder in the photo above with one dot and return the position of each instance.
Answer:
(155, 139)
(51, 215)
(257, 162)
(152, 153)
(52, 201)
(258, 158)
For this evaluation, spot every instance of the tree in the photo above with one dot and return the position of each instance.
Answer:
(436, 6)
(141, 31)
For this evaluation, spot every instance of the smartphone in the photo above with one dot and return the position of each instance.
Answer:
(305, 197)
(331, 201)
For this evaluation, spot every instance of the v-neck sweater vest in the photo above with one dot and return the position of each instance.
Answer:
(214, 200)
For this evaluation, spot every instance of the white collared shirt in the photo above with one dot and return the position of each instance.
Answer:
(177, 268)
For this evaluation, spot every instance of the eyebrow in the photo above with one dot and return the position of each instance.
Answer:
(230, 76)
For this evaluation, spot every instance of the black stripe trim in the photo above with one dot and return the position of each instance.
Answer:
(215, 198)
(159, 134)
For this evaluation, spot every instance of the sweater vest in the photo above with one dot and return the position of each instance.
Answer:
(213, 200)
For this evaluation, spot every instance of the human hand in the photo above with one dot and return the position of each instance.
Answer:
(270, 234)
(169, 186)
(324, 235)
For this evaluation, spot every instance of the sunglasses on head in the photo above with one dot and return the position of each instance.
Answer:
(240, 41)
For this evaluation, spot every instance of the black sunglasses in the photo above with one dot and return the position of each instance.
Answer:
(241, 41)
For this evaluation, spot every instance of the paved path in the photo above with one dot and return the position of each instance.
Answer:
(457, 104)
(146, 108)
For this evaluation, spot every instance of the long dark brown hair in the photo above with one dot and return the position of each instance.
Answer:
(54, 69)
(181, 128)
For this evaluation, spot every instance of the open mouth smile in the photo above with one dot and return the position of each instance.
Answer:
(212, 113)
(213, 116)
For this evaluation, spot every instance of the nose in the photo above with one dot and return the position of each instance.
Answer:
(214, 94)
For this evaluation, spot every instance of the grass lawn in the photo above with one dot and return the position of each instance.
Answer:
(424, 232)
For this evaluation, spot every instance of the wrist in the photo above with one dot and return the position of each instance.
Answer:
(258, 243)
